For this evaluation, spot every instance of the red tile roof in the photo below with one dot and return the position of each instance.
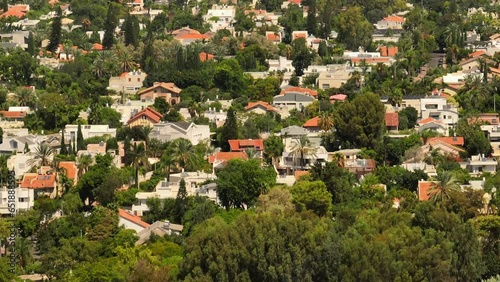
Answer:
(149, 113)
(392, 18)
(185, 30)
(388, 51)
(338, 97)
(170, 86)
(226, 156)
(273, 36)
(391, 119)
(314, 122)
(371, 60)
(428, 120)
(423, 190)
(206, 57)
(477, 54)
(456, 141)
(241, 145)
(71, 170)
(132, 218)
(300, 34)
(192, 36)
(13, 114)
(97, 47)
(298, 173)
(13, 13)
(38, 181)
(296, 2)
(488, 118)
(299, 90)
(262, 104)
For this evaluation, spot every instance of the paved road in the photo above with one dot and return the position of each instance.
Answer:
(436, 60)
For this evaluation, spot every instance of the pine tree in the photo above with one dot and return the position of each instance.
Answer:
(64, 149)
(229, 130)
(131, 28)
(55, 33)
(31, 44)
(181, 202)
(312, 22)
(110, 26)
(80, 142)
(94, 38)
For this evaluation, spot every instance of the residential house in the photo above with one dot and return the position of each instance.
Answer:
(147, 117)
(338, 98)
(434, 125)
(476, 165)
(260, 107)
(313, 125)
(13, 115)
(169, 188)
(173, 130)
(490, 125)
(392, 121)
(294, 131)
(291, 159)
(220, 159)
(165, 90)
(281, 64)
(438, 108)
(17, 11)
(206, 57)
(136, 5)
(391, 22)
(26, 24)
(412, 166)
(244, 145)
(24, 200)
(130, 221)
(88, 131)
(220, 17)
(360, 167)
(18, 38)
(93, 150)
(69, 169)
(295, 89)
(159, 228)
(473, 63)
(43, 183)
(327, 80)
(188, 35)
(18, 163)
(16, 144)
(458, 78)
(274, 37)
(292, 100)
(299, 34)
(388, 51)
(218, 117)
(130, 108)
(127, 82)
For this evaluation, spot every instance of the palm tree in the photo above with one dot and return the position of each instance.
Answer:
(23, 251)
(83, 163)
(42, 156)
(139, 159)
(325, 121)
(183, 152)
(25, 96)
(302, 148)
(125, 59)
(145, 132)
(443, 186)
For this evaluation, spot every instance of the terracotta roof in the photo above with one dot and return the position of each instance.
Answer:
(485, 118)
(226, 156)
(38, 181)
(457, 141)
(166, 85)
(314, 122)
(391, 119)
(262, 104)
(299, 90)
(192, 36)
(149, 113)
(296, 2)
(428, 120)
(273, 36)
(300, 34)
(70, 168)
(388, 51)
(132, 218)
(338, 97)
(256, 12)
(393, 18)
(22, 8)
(477, 54)
(13, 13)
(9, 114)
(206, 57)
(185, 30)
(423, 190)
(452, 147)
(97, 47)
(495, 70)
(298, 173)
(241, 145)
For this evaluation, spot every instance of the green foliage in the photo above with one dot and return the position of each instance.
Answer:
(354, 30)
(312, 196)
(301, 55)
(475, 139)
(80, 142)
(240, 183)
(229, 130)
(55, 33)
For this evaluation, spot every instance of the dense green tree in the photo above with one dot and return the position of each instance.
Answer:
(181, 202)
(32, 47)
(229, 130)
(360, 123)
(312, 196)
(291, 21)
(64, 149)
(131, 29)
(354, 30)
(301, 55)
(338, 180)
(273, 148)
(80, 142)
(312, 22)
(411, 115)
(110, 25)
(476, 141)
(240, 183)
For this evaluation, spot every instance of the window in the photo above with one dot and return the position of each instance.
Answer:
(138, 79)
(325, 86)
(129, 79)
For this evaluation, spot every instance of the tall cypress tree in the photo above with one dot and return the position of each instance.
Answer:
(181, 202)
(131, 29)
(31, 44)
(64, 149)
(229, 130)
(312, 22)
(71, 151)
(5, 5)
(80, 142)
(110, 26)
(55, 33)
